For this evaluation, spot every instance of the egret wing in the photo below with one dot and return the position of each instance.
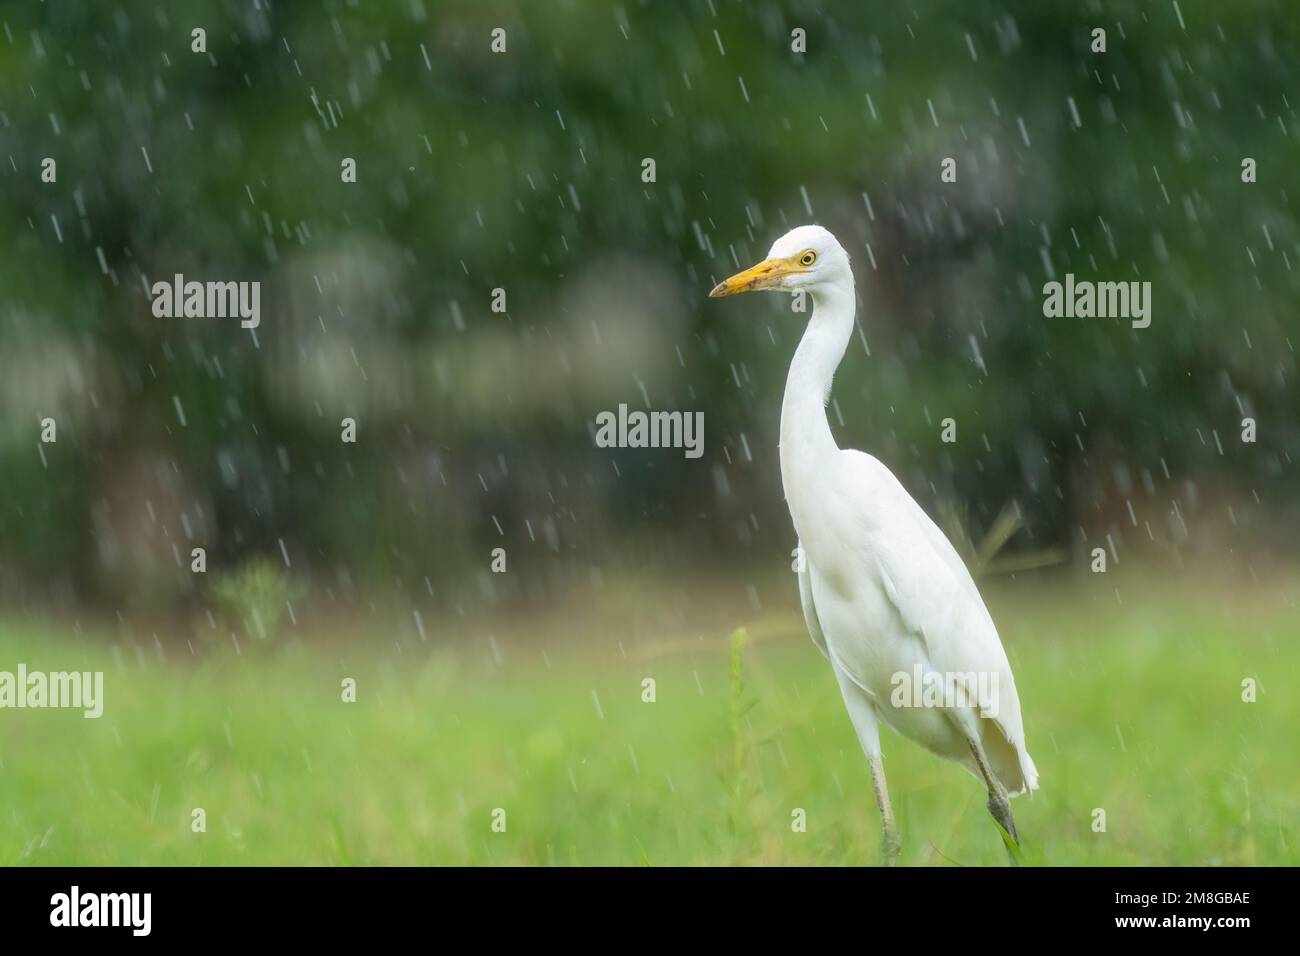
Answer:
(935, 597)
(809, 608)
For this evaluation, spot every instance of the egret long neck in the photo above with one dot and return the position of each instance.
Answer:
(806, 440)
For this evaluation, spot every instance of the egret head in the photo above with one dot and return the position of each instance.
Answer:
(805, 258)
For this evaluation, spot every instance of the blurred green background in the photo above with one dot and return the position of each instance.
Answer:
(522, 171)
(1133, 707)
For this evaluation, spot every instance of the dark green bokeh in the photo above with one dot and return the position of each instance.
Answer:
(522, 171)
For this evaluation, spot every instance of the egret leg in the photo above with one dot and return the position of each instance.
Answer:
(999, 803)
(863, 715)
(891, 843)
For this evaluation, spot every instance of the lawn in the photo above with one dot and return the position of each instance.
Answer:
(1132, 696)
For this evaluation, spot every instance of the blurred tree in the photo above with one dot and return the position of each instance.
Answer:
(523, 171)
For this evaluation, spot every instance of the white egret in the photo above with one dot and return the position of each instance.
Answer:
(885, 595)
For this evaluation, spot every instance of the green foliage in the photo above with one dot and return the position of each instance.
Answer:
(254, 598)
(737, 778)
(1131, 705)
(522, 170)
(986, 557)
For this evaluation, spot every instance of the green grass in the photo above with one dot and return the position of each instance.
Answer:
(1132, 701)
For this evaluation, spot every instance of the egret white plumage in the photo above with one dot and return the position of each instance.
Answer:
(884, 592)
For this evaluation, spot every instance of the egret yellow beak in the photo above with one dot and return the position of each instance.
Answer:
(766, 275)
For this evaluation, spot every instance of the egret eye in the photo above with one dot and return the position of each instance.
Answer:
(808, 258)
